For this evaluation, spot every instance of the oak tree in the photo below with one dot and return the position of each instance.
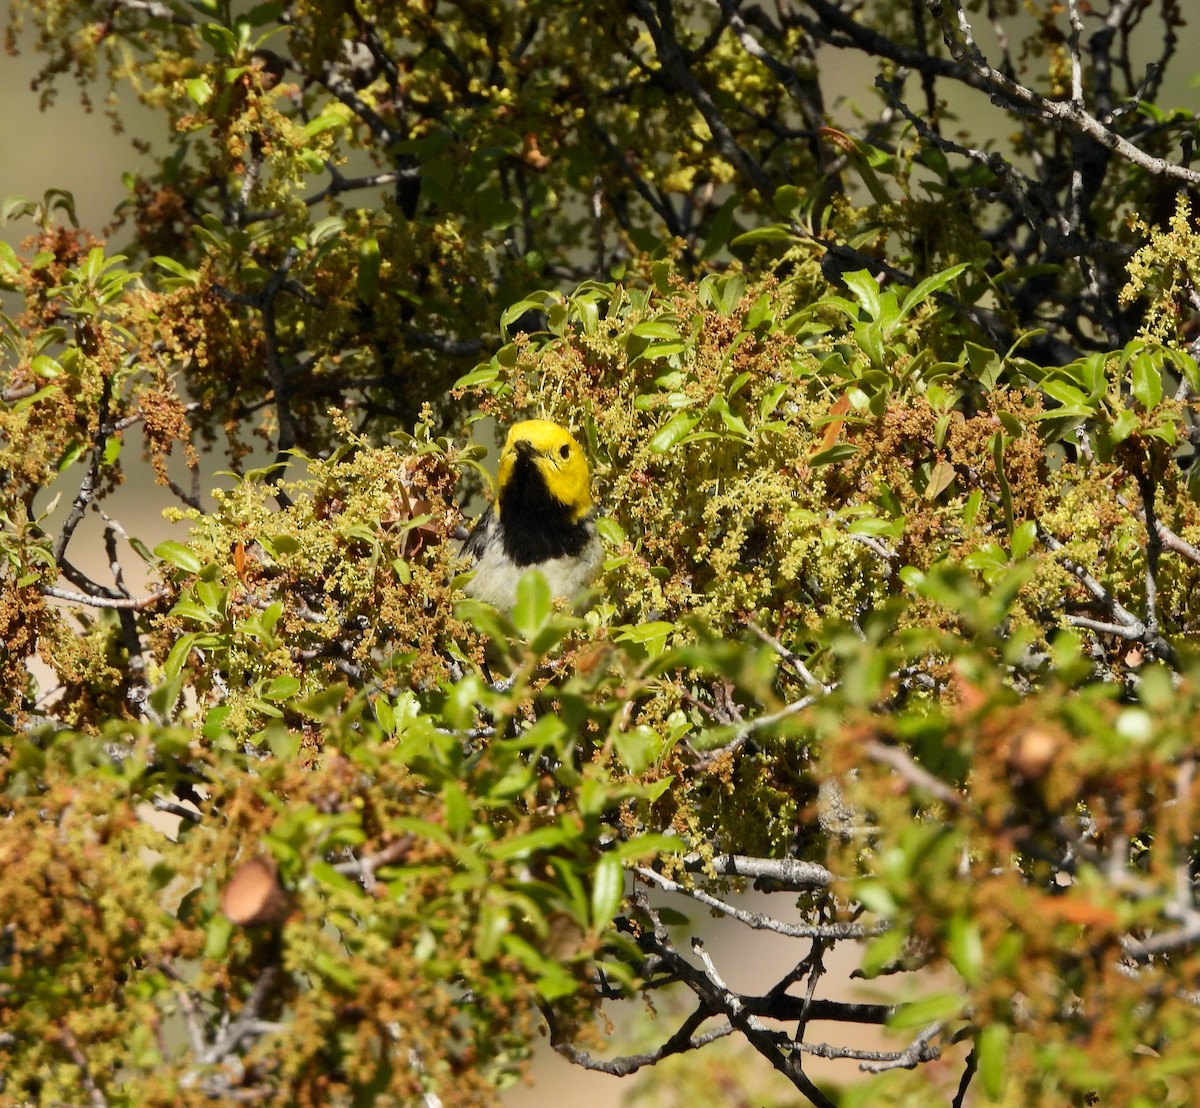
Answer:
(892, 406)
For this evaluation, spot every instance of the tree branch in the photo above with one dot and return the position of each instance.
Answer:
(782, 873)
(757, 920)
(1063, 115)
(117, 603)
(683, 1040)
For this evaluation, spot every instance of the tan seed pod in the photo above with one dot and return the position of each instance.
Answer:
(253, 896)
(1032, 752)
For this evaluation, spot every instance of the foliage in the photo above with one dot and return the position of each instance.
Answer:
(894, 436)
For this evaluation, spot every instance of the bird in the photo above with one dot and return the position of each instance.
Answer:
(542, 518)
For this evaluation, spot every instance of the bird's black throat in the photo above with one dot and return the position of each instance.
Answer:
(534, 524)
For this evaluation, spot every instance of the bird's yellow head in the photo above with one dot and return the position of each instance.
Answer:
(541, 447)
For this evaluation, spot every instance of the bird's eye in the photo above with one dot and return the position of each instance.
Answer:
(565, 450)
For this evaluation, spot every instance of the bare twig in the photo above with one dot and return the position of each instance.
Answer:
(758, 920)
(1126, 625)
(965, 1081)
(918, 1051)
(766, 1042)
(683, 1040)
(1064, 115)
(127, 603)
(338, 185)
(879, 549)
(901, 761)
(247, 1022)
(1144, 950)
(1153, 550)
(785, 873)
(364, 868)
(87, 487)
(793, 660)
(155, 10)
(662, 31)
(71, 1045)
(171, 808)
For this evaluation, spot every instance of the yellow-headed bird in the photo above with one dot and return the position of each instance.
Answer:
(542, 518)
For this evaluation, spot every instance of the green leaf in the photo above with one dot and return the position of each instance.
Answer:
(1187, 366)
(647, 846)
(217, 936)
(1147, 384)
(775, 232)
(610, 531)
(997, 447)
(655, 329)
(567, 871)
(652, 635)
(337, 973)
(10, 266)
(787, 199)
(424, 829)
(1067, 395)
(985, 363)
(544, 734)
(883, 951)
(589, 317)
(732, 421)
(517, 310)
(285, 744)
(1013, 425)
(522, 846)
(199, 90)
(834, 454)
(866, 291)
(189, 609)
(1023, 539)
(661, 273)
(638, 748)
(327, 701)
(673, 918)
(493, 923)
(220, 38)
(324, 874)
(164, 698)
(971, 509)
(608, 889)
(480, 375)
(987, 556)
(675, 429)
(178, 555)
(176, 268)
(369, 262)
(1126, 422)
(112, 450)
(282, 687)
(926, 288)
(41, 394)
(992, 1059)
(966, 949)
(929, 1009)
(70, 456)
(262, 14)
(327, 121)
(875, 527)
(554, 982)
(534, 603)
